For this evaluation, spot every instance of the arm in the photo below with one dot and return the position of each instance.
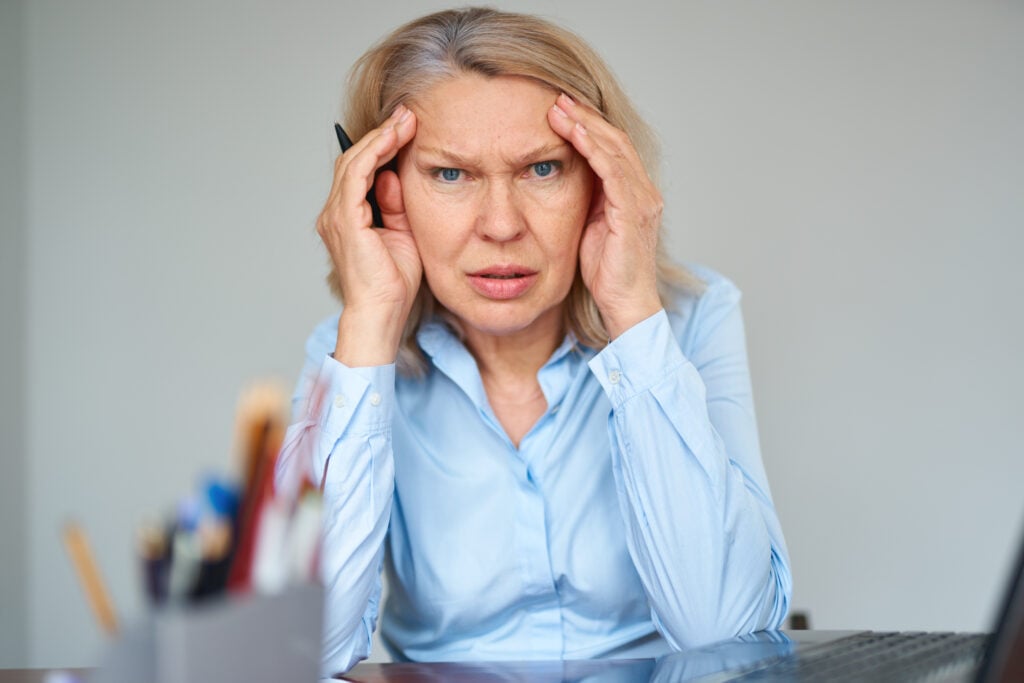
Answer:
(701, 527)
(342, 432)
(341, 438)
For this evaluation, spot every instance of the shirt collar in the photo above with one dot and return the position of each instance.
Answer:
(450, 356)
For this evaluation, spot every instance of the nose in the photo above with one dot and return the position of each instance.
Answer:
(500, 218)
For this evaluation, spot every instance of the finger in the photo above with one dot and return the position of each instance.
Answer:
(623, 179)
(594, 123)
(624, 197)
(346, 157)
(358, 173)
(355, 168)
(607, 156)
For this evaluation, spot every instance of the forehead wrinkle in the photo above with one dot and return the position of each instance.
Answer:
(449, 156)
(540, 153)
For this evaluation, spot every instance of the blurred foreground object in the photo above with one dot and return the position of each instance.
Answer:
(89, 575)
(232, 578)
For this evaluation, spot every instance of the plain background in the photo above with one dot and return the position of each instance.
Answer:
(856, 167)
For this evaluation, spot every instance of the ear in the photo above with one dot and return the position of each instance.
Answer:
(596, 211)
(389, 197)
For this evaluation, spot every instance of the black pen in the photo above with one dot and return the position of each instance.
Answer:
(346, 142)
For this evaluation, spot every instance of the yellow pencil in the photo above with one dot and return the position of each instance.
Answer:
(89, 576)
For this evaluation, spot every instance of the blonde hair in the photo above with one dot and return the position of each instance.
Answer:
(484, 41)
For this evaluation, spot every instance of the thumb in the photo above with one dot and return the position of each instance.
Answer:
(389, 198)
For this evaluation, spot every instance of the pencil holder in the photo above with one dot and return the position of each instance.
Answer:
(251, 638)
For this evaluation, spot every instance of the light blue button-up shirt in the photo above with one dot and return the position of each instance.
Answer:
(636, 510)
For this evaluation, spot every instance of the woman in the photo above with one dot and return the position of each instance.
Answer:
(541, 430)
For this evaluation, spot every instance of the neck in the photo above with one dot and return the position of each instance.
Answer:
(516, 357)
(508, 368)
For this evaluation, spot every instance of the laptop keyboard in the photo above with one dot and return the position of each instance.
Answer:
(878, 657)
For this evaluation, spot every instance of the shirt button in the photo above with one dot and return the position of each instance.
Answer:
(614, 376)
(339, 401)
(375, 399)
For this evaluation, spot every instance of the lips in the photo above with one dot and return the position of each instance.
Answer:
(503, 281)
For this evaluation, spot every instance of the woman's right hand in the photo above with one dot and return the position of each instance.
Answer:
(378, 269)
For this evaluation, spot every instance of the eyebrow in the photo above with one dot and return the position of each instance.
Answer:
(456, 159)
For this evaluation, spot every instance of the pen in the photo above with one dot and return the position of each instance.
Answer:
(343, 139)
(346, 142)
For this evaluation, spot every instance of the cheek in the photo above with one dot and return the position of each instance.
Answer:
(422, 211)
(579, 190)
(577, 209)
(433, 229)
(563, 244)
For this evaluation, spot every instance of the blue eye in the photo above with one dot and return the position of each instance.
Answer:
(449, 175)
(542, 169)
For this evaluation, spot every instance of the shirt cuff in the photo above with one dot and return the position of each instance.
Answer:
(355, 400)
(638, 359)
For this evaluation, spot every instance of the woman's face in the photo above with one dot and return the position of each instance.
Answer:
(496, 201)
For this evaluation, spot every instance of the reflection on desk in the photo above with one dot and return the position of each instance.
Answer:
(578, 671)
(739, 653)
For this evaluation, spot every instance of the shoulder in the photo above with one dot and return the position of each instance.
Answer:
(695, 311)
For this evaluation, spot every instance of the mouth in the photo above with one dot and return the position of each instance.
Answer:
(509, 272)
(503, 282)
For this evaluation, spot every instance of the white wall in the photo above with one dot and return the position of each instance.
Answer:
(855, 167)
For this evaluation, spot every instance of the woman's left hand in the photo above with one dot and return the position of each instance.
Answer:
(618, 250)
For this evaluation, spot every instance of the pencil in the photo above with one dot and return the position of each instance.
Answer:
(89, 576)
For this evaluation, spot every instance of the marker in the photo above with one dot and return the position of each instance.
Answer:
(186, 553)
(216, 537)
(154, 554)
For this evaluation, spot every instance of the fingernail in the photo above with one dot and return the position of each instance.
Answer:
(568, 99)
(406, 113)
(558, 110)
(396, 114)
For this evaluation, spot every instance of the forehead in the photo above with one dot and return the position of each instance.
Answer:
(474, 115)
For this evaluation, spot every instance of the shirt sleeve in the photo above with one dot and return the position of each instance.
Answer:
(701, 526)
(341, 438)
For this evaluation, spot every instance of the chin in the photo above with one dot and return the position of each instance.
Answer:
(496, 326)
(504, 319)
